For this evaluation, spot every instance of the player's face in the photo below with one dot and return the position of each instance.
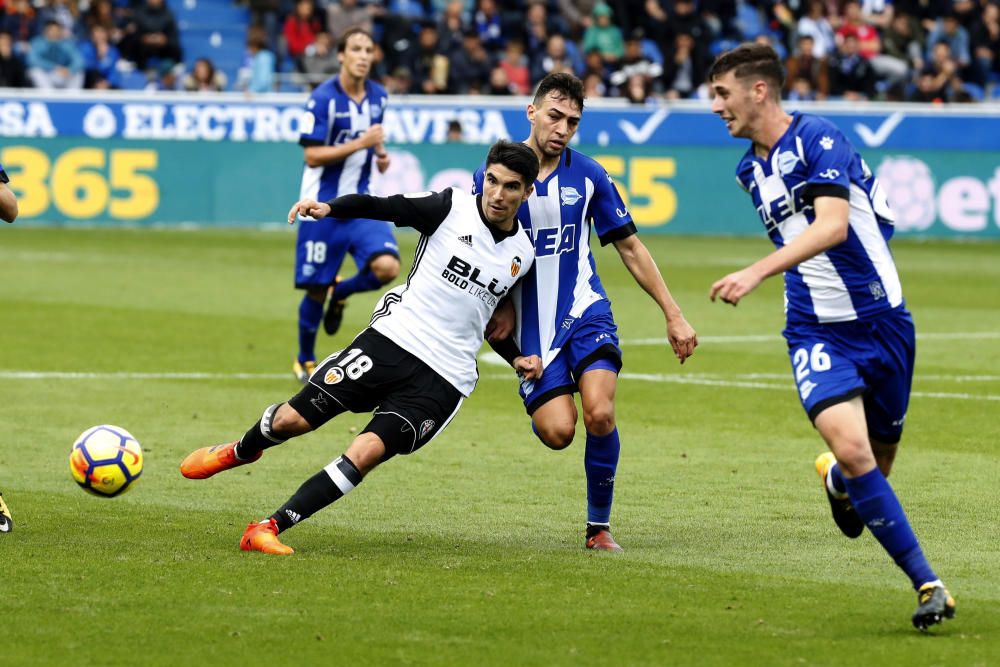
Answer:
(733, 101)
(553, 123)
(503, 194)
(357, 56)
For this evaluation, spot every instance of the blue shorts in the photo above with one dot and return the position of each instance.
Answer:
(323, 244)
(833, 363)
(593, 337)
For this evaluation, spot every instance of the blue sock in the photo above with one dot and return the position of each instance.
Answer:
(362, 281)
(837, 478)
(310, 314)
(877, 505)
(600, 460)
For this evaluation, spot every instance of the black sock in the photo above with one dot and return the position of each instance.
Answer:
(595, 528)
(332, 482)
(260, 436)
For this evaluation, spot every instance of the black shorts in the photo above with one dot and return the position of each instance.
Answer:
(374, 374)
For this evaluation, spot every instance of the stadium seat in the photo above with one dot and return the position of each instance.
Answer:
(208, 13)
(225, 46)
(749, 20)
(975, 91)
(574, 55)
(133, 79)
(652, 51)
(213, 29)
(412, 9)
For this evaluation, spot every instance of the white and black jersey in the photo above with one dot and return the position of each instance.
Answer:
(462, 267)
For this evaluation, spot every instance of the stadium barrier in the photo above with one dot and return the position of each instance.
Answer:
(228, 160)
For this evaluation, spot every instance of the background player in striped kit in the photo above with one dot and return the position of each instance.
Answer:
(565, 313)
(341, 135)
(416, 363)
(850, 337)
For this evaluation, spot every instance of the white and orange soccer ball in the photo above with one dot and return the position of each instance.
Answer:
(106, 460)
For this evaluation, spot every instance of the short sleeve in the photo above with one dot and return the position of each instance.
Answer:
(381, 99)
(315, 123)
(477, 180)
(612, 221)
(828, 157)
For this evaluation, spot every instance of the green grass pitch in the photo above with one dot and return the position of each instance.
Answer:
(471, 552)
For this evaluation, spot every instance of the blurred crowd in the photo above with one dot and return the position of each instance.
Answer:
(641, 50)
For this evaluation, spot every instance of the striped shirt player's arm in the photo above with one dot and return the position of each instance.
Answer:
(423, 211)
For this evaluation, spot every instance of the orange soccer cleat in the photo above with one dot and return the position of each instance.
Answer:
(205, 462)
(601, 540)
(263, 536)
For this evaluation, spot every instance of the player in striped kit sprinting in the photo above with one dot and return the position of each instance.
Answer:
(850, 337)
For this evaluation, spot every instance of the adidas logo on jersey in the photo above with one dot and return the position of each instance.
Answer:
(466, 240)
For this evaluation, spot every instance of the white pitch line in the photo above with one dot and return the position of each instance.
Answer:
(680, 379)
(745, 384)
(701, 380)
(693, 379)
(959, 378)
(771, 338)
(760, 338)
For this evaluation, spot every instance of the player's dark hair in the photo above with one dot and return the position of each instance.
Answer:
(350, 32)
(515, 156)
(563, 83)
(751, 61)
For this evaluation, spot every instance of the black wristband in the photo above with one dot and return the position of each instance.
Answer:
(506, 348)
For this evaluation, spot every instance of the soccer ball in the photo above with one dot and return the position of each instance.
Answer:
(106, 460)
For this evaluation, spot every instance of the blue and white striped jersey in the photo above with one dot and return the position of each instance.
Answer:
(332, 117)
(854, 280)
(558, 216)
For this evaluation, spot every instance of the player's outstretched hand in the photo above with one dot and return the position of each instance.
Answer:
(735, 286)
(308, 208)
(528, 368)
(682, 336)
